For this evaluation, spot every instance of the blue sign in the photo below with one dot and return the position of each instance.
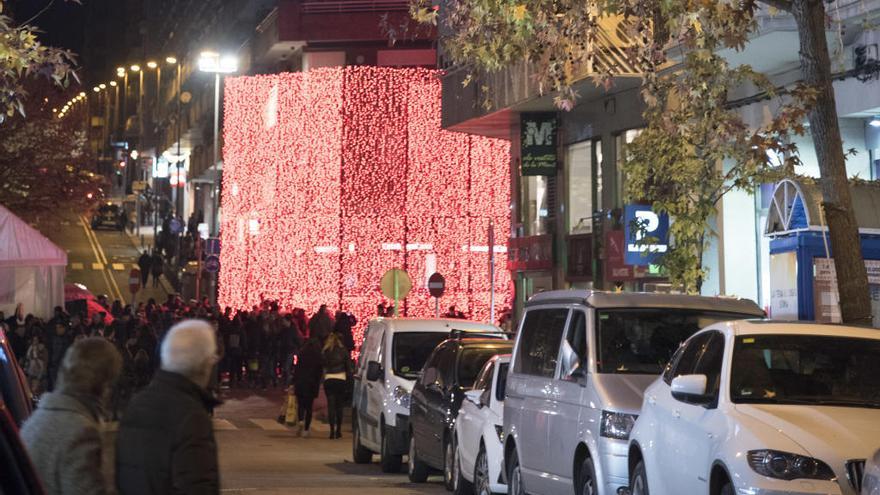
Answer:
(212, 246)
(212, 264)
(646, 234)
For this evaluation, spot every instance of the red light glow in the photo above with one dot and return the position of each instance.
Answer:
(333, 176)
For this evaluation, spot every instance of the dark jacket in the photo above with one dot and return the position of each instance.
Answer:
(165, 443)
(320, 326)
(343, 325)
(309, 368)
(64, 444)
(336, 360)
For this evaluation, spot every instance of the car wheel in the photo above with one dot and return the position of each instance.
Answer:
(481, 474)
(638, 483)
(727, 489)
(587, 479)
(514, 476)
(418, 470)
(390, 463)
(460, 485)
(359, 453)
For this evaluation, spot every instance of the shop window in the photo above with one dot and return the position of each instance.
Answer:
(579, 180)
(538, 204)
(621, 141)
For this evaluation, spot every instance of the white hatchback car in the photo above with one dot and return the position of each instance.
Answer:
(760, 407)
(479, 430)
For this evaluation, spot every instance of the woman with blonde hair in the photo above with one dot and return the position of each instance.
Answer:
(337, 370)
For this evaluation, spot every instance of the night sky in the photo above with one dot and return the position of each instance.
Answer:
(62, 24)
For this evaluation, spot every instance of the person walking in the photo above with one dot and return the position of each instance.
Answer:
(62, 436)
(36, 364)
(145, 262)
(157, 266)
(321, 324)
(165, 443)
(307, 382)
(58, 344)
(337, 370)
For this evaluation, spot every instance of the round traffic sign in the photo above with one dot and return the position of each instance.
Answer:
(436, 285)
(134, 280)
(395, 284)
(212, 264)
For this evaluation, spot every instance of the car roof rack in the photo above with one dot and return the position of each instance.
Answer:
(457, 333)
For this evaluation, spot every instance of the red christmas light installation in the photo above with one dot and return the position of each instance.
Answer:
(333, 176)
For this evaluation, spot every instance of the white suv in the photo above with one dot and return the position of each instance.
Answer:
(392, 355)
(761, 407)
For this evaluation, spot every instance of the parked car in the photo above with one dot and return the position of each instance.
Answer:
(761, 407)
(436, 398)
(392, 355)
(14, 389)
(108, 215)
(18, 474)
(581, 363)
(871, 481)
(479, 459)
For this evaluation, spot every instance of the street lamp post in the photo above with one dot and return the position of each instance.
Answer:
(213, 62)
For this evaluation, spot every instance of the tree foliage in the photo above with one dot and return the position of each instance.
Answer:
(23, 58)
(694, 147)
(45, 163)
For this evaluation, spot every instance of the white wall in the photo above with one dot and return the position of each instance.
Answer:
(852, 130)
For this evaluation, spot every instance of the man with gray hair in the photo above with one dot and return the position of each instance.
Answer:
(165, 443)
(62, 436)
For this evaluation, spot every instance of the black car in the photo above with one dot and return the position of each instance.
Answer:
(15, 392)
(108, 215)
(449, 372)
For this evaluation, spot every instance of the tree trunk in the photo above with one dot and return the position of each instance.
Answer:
(852, 277)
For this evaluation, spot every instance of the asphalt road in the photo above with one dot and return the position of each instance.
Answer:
(98, 259)
(259, 456)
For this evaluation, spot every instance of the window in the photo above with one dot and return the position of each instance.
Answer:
(537, 199)
(689, 357)
(410, 350)
(445, 363)
(710, 363)
(577, 335)
(501, 388)
(471, 361)
(484, 379)
(539, 342)
(579, 174)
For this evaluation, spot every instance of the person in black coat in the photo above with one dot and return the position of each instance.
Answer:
(157, 266)
(307, 381)
(144, 263)
(165, 443)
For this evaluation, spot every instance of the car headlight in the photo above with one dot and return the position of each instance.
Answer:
(786, 466)
(500, 431)
(401, 397)
(617, 425)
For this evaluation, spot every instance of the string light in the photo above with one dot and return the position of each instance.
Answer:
(333, 176)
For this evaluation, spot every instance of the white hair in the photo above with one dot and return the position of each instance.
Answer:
(188, 348)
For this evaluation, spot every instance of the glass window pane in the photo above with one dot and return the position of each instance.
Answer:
(579, 170)
(539, 342)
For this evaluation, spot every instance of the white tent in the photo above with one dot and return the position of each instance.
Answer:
(31, 268)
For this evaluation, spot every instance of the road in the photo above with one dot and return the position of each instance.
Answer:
(261, 457)
(98, 259)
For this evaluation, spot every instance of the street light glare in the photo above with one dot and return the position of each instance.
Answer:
(102, 86)
(113, 83)
(171, 60)
(96, 89)
(82, 94)
(213, 62)
(151, 64)
(135, 68)
(120, 69)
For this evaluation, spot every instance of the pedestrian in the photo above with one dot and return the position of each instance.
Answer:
(344, 323)
(59, 342)
(337, 370)
(62, 436)
(321, 324)
(165, 443)
(157, 267)
(36, 364)
(307, 382)
(144, 263)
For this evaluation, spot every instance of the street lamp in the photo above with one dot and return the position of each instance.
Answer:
(217, 64)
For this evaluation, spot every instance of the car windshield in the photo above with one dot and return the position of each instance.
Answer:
(501, 388)
(641, 341)
(806, 369)
(410, 350)
(472, 359)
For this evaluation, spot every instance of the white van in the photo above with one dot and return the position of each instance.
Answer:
(392, 355)
(581, 363)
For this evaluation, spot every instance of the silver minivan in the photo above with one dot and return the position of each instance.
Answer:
(581, 363)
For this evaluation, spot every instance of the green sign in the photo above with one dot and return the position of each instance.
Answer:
(395, 284)
(538, 143)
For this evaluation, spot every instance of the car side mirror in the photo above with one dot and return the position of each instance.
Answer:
(691, 389)
(571, 364)
(374, 371)
(475, 396)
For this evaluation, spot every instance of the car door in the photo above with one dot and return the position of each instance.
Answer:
(376, 389)
(471, 418)
(567, 404)
(665, 407)
(694, 426)
(439, 403)
(421, 396)
(531, 391)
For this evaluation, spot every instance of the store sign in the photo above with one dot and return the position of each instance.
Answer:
(646, 234)
(538, 143)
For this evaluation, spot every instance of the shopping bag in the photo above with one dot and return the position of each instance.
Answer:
(292, 416)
